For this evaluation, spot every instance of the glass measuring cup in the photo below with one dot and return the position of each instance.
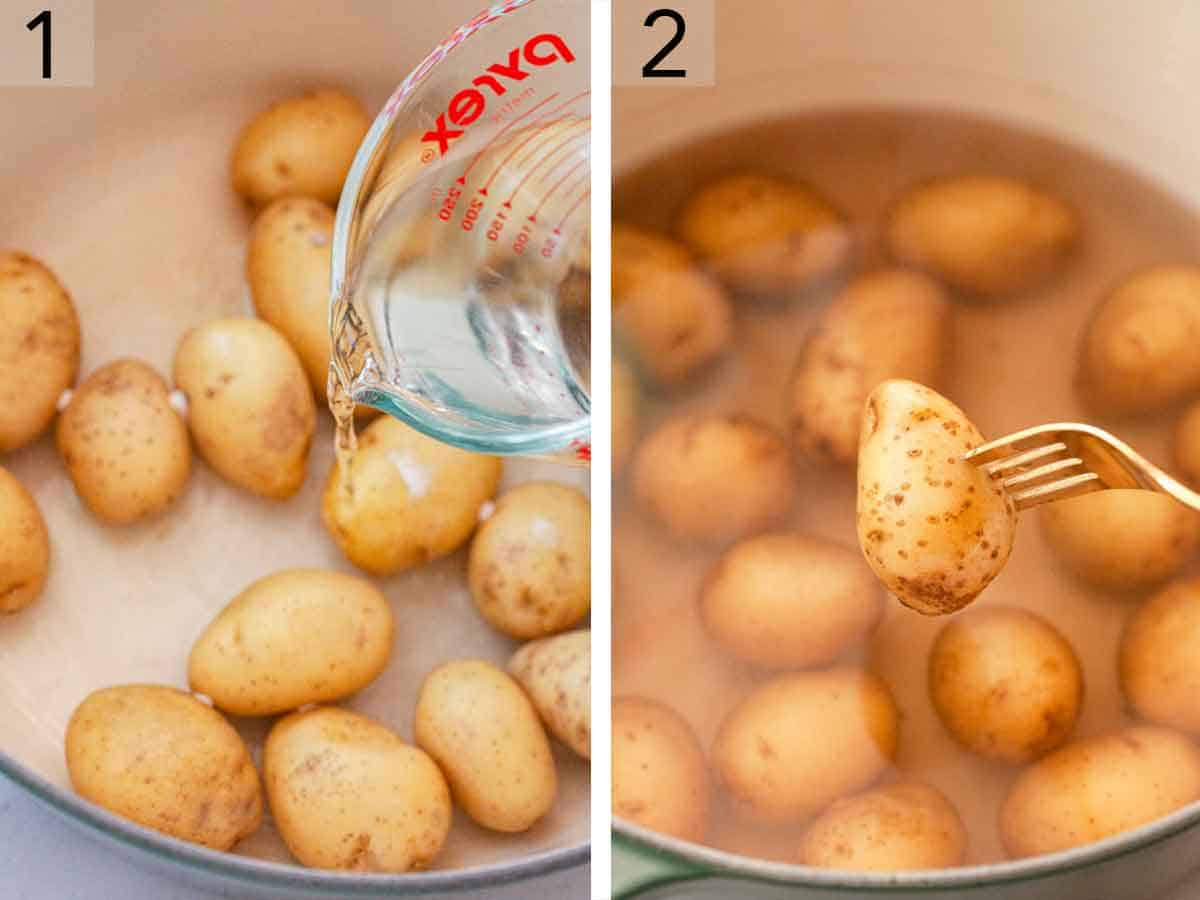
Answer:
(461, 262)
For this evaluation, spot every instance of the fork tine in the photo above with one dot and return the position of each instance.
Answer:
(1005, 464)
(1033, 476)
(1057, 490)
(1000, 447)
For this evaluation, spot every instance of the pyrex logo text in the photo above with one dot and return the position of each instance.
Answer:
(468, 104)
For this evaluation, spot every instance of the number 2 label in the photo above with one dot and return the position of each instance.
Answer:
(650, 69)
(665, 43)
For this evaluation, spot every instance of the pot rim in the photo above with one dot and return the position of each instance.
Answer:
(723, 863)
(251, 872)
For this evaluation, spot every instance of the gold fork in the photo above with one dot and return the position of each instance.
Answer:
(1065, 459)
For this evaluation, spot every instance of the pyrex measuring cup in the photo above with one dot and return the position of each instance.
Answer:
(461, 254)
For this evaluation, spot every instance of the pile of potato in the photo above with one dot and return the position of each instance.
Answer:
(344, 791)
(813, 742)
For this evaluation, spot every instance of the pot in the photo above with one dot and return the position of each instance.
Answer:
(1102, 77)
(123, 190)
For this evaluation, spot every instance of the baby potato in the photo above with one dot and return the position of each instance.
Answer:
(530, 568)
(1005, 683)
(125, 448)
(295, 637)
(714, 479)
(659, 777)
(935, 529)
(406, 499)
(160, 757)
(1095, 788)
(347, 793)
(637, 253)
(556, 673)
(624, 414)
(889, 323)
(1121, 539)
(39, 347)
(984, 235)
(1158, 663)
(24, 546)
(1138, 351)
(789, 601)
(250, 409)
(800, 741)
(479, 726)
(908, 825)
(302, 146)
(764, 234)
(1186, 444)
(676, 322)
(288, 269)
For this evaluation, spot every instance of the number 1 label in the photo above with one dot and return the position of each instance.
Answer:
(50, 43)
(44, 20)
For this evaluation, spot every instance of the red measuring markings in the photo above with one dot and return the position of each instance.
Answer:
(534, 133)
(583, 450)
(570, 212)
(550, 169)
(545, 122)
(462, 179)
(546, 196)
(538, 164)
(552, 135)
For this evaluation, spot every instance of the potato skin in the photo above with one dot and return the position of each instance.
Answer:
(675, 318)
(764, 234)
(637, 253)
(302, 146)
(1121, 539)
(984, 235)
(800, 741)
(659, 776)
(625, 424)
(484, 733)
(786, 600)
(1094, 788)
(347, 793)
(24, 546)
(414, 499)
(125, 448)
(907, 825)
(714, 479)
(1005, 683)
(39, 347)
(556, 673)
(1185, 447)
(1158, 663)
(250, 409)
(889, 323)
(295, 637)
(160, 757)
(530, 564)
(935, 529)
(288, 267)
(1137, 356)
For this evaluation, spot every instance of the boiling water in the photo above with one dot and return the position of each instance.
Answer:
(1011, 366)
